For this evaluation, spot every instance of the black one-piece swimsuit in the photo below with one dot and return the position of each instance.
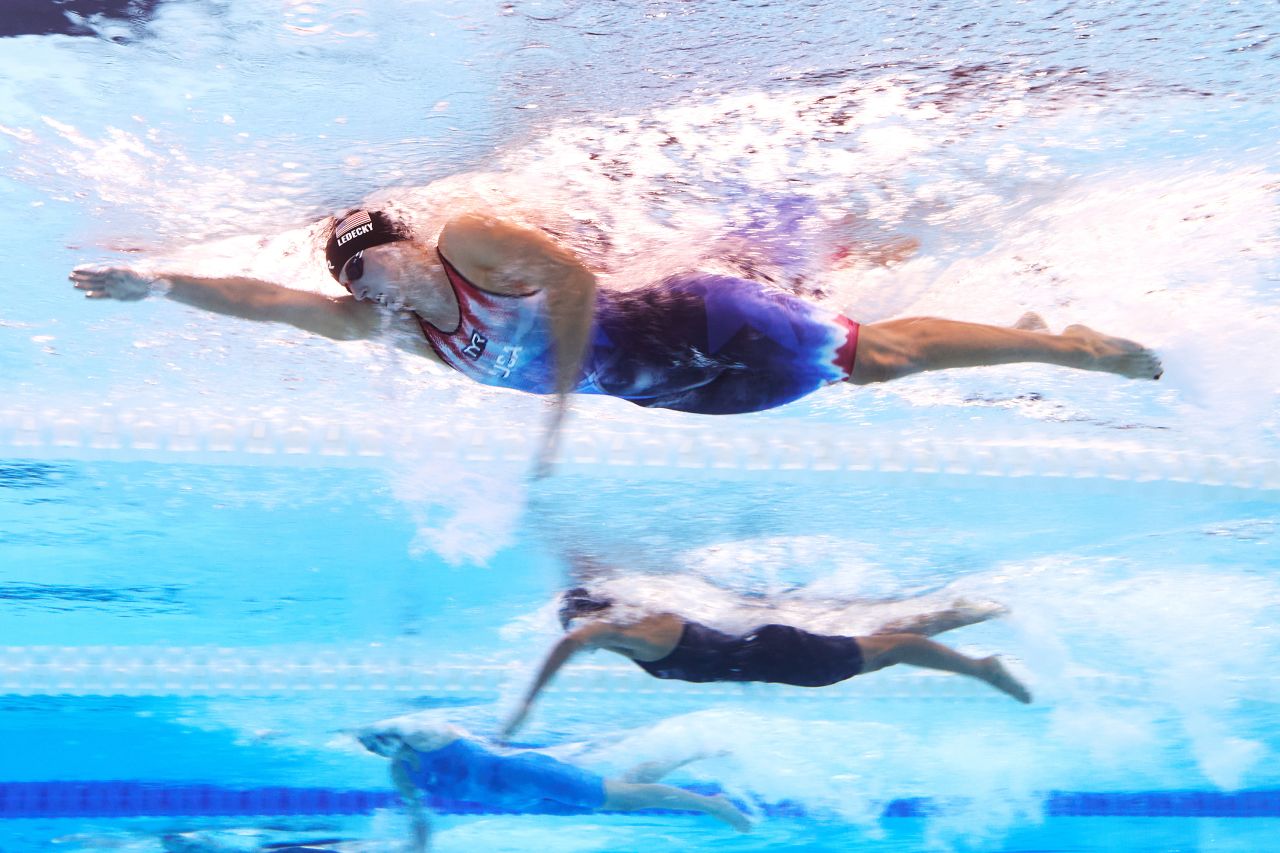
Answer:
(779, 654)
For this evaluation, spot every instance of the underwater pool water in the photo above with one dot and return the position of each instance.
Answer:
(224, 545)
(203, 634)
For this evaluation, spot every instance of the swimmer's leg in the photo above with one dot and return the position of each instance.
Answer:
(652, 771)
(962, 612)
(886, 253)
(861, 245)
(883, 650)
(628, 796)
(897, 348)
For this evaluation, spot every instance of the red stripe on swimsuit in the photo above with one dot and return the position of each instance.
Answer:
(501, 339)
(848, 351)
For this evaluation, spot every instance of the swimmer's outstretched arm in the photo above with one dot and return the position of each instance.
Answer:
(412, 799)
(342, 318)
(589, 636)
(506, 257)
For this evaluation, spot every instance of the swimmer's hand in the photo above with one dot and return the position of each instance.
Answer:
(104, 282)
(551, 438)
(513, 723)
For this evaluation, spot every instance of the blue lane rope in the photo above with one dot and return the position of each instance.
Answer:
(107, 799)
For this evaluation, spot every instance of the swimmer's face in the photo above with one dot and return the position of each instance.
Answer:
(381, 274)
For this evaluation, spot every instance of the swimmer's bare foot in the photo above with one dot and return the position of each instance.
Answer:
(721, 809)
(1031, 322)
(994, 673)
(1115, 355)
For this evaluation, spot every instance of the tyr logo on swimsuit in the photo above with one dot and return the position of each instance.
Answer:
(475, 349)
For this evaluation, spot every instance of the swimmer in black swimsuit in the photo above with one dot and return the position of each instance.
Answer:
(666, 645)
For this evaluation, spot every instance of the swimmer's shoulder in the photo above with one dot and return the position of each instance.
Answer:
(503, 255)
(638, 635)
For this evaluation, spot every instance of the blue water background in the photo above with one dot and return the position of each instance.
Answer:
(1113, 163)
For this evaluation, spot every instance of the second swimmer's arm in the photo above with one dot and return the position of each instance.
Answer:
(585, 637)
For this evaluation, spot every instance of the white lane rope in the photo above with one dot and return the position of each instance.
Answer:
(800, 450)
(207, 671)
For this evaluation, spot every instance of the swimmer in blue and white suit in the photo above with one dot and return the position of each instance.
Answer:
(506, 305)
(446, 762)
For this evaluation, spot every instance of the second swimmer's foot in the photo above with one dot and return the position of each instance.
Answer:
(1115, 355)
(995, 674)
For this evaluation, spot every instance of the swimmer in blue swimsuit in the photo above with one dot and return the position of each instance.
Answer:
(444, 764)
(506, 305)
(666, 645)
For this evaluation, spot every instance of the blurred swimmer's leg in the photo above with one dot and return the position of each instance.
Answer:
(652, 771)
(883, 650)
(897, 348)
(858, 244)
(629, 796)
(962, 612)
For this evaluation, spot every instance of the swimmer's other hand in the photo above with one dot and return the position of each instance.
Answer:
(513, 723)
(545, 460)
(104, 282)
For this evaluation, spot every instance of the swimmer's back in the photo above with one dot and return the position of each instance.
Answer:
(777, 654)
(467, 771)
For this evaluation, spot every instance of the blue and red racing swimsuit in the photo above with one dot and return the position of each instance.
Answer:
(711, 344)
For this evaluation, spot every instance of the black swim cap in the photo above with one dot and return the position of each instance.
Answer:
(356, 231)
(578, 602)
